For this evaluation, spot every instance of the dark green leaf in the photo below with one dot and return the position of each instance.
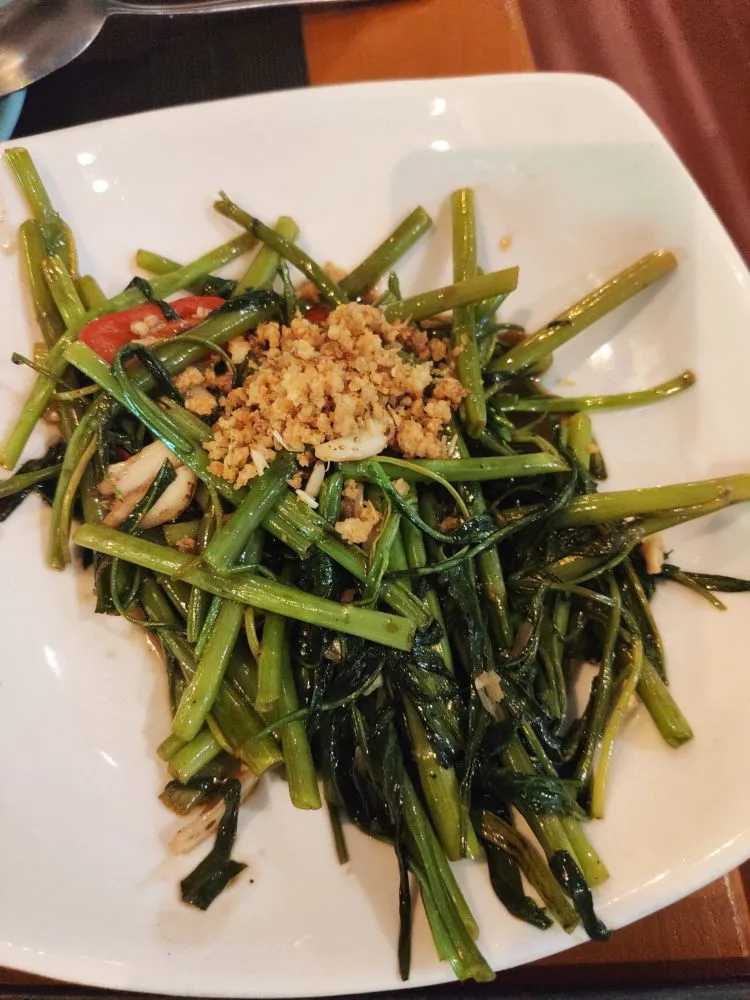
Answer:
(212, 875)
(223, 287)
(522, 707)
(144, 287)
(51, 461)
(464, 619)
(162, 480)
(261, 299)
(433, 692)
(539, 793)
(155, 368)
(505, 877)
(392, 791)
(568, 874)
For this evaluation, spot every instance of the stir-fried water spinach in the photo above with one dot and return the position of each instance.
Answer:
(424, 684)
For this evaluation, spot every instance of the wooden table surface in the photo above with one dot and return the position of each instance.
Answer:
(706, 937)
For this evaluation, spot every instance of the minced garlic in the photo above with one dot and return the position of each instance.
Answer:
(359, 528)
(311, 383)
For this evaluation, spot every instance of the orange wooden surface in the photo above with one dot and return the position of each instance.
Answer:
(705, 936)
(415, 38)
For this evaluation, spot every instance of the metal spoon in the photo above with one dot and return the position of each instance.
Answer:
(39, 36)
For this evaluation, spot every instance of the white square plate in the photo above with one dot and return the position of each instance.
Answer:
(583, 183)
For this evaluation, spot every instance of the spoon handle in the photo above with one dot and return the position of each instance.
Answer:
(199, 6)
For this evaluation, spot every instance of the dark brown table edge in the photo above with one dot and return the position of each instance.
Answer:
(730, 990)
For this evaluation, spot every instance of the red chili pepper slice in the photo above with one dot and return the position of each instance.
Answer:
(107, 334)
(318, 314)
